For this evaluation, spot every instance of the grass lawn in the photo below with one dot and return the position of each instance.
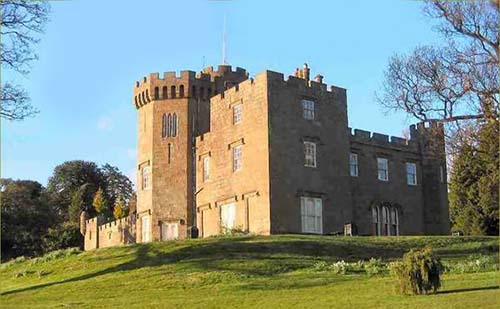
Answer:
(247, 271)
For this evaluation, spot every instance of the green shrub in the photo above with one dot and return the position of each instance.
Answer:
(374, 267)
(418, 273)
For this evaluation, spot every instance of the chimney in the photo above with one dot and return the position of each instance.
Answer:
(319, 78)
(306, 72)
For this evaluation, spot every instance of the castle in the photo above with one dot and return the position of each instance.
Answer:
(221, 152)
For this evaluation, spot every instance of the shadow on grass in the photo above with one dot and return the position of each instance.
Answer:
(493, 287)
(248, 256)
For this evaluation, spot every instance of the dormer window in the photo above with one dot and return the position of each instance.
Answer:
(308, 109)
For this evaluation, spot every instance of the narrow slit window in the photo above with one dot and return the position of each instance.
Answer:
(353, 164)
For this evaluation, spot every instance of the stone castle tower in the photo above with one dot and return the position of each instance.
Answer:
(271, 155)
(178, 107)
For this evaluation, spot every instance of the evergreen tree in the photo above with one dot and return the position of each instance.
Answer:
(100, 204)
(120, 210)
(474, 184)
(76, 206)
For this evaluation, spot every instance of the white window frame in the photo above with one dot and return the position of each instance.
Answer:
(206, 168)
(386, 221)
(353, 164)
(411, 173)
(383, 173)
(169, 231)
(237, 113)
(237, 158)
(227, 216)
(394, 221)
(146, 178)
(311, 214)
(310, 154)
(308, 109)
(376, 220)
(145, 229)
(441, 174)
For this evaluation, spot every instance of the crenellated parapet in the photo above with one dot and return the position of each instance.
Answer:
(383, 140)
(118, 232)
(430, 136)
(187, 84)
(313, 87)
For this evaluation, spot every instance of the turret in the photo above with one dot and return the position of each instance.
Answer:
(430, 139)
(84, 216)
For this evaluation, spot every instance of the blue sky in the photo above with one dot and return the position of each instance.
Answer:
(94, 51)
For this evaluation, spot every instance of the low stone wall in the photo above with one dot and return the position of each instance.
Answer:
(119, 232)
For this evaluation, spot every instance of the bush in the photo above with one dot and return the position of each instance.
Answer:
(418, 273)
(63, 236)
(374, 267)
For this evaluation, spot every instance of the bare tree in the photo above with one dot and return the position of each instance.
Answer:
(455, 82)
(22, 22)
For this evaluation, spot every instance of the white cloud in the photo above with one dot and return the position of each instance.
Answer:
(105, 123)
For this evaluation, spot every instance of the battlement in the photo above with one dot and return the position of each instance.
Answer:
(125, 220)
(118, 232)
(186, 84)
(122, 221)
(305, 84)
(224, 70)
(383, 140)
(425, 128)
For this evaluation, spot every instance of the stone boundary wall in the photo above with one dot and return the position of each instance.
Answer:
(118, 232)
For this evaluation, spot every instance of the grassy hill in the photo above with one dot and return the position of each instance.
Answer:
(248, 271)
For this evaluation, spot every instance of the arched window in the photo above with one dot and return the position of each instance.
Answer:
(135, 100)
(169, 125)
(193, 91)
(209, 92)
(164, 125)
(202, 93)
(146, 181)
(172, 92)
(395, 221)
(164, 94)
(376, 220)
(385, 221)
(143, 98)
(147, 95)
(174, 125)
(181, 91)
(157, 93)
